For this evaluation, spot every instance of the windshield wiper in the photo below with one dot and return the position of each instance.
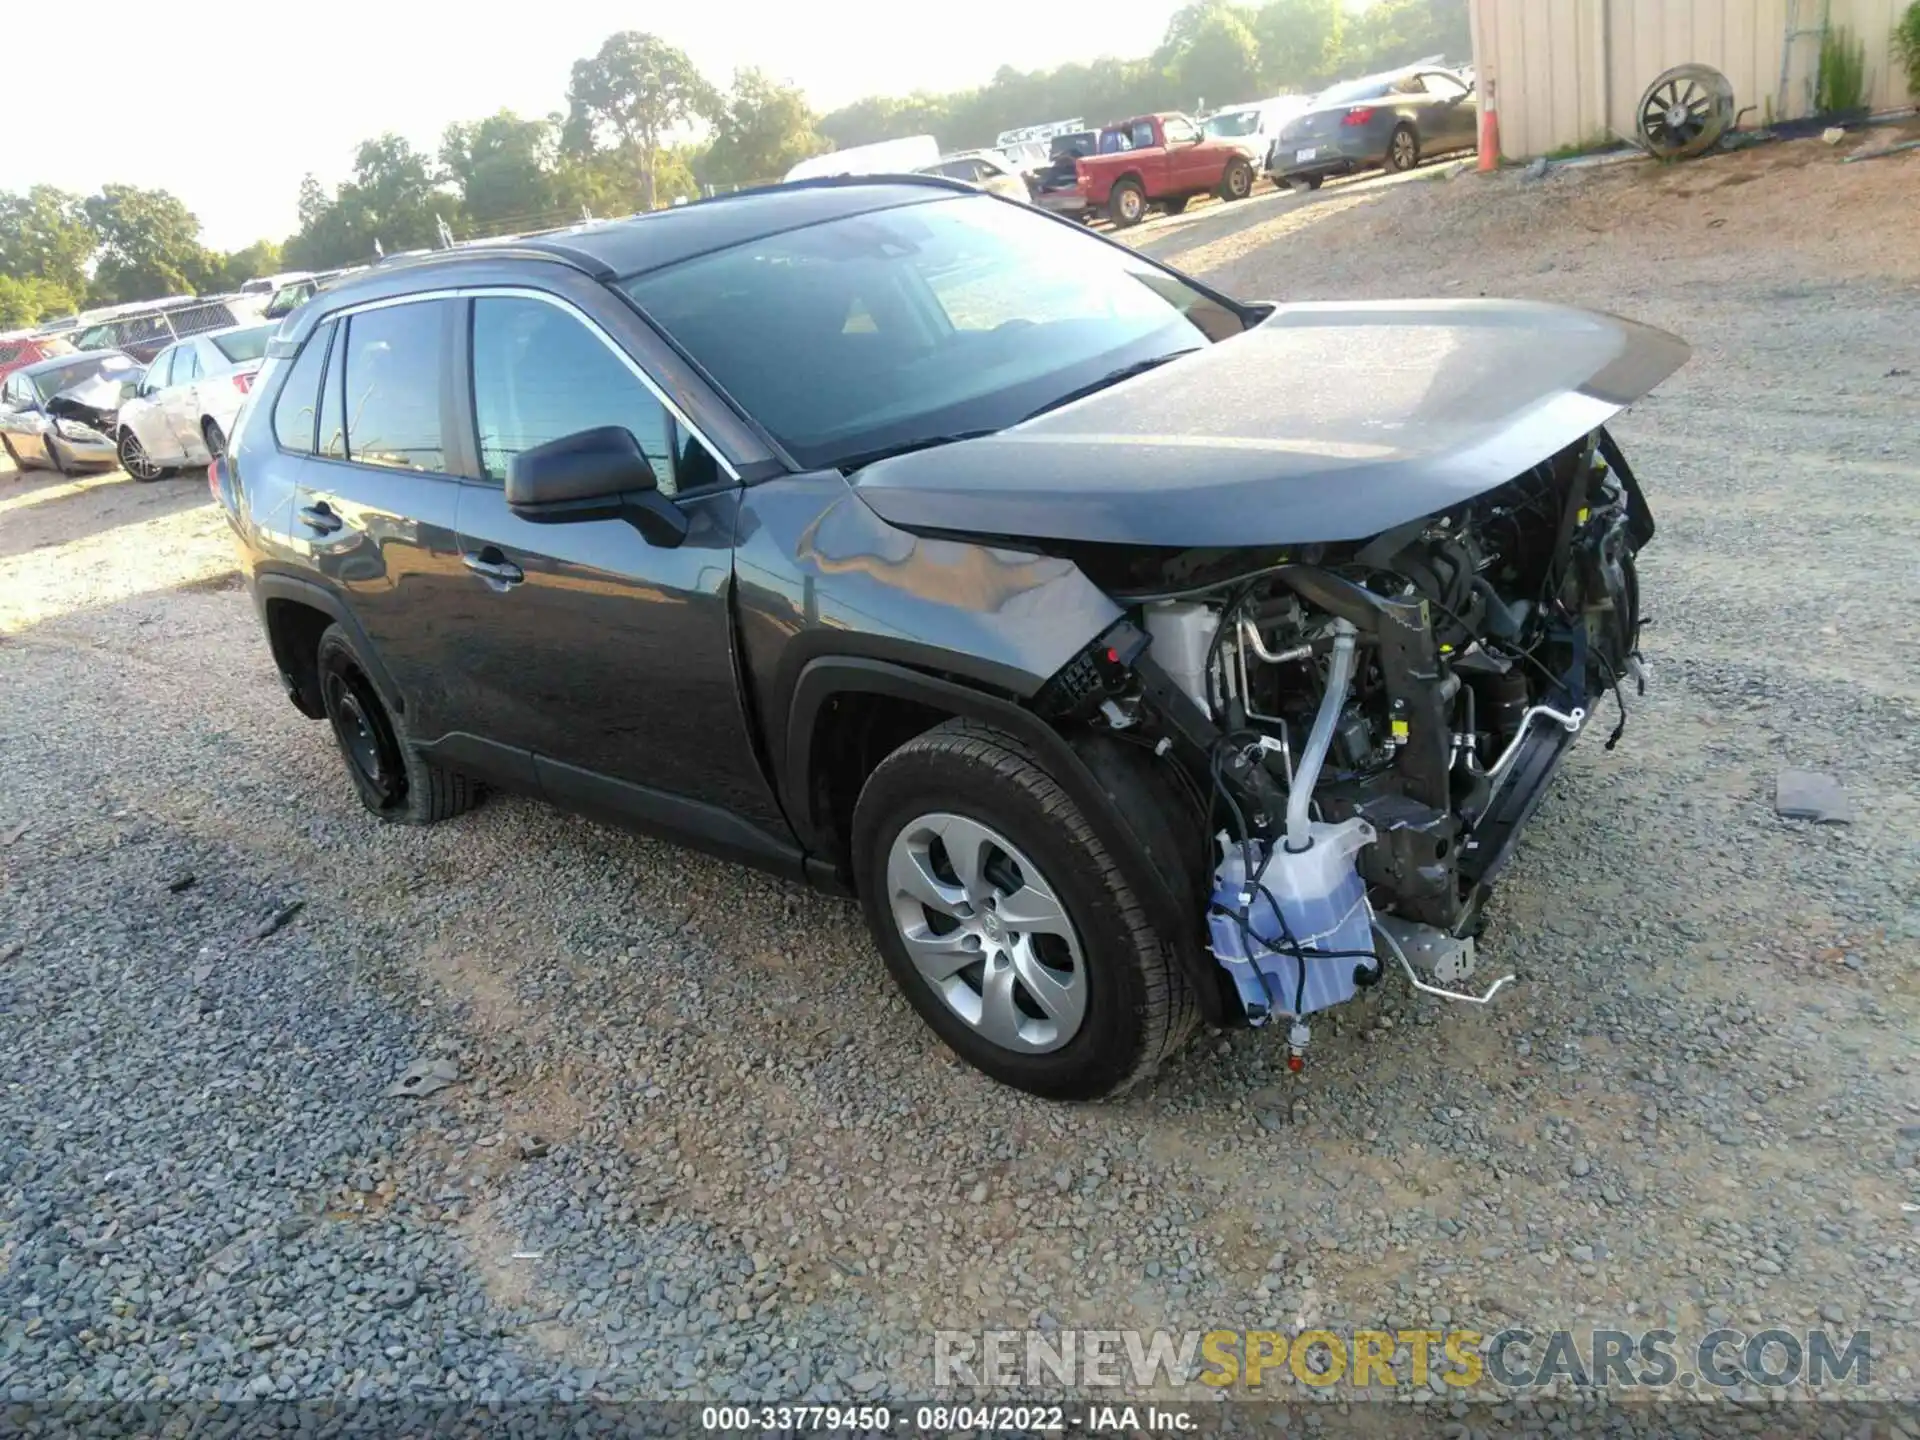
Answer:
(865, 458)
(1112, 377)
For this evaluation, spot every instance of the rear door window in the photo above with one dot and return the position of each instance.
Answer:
(293, 411)
(540, 373)
(156, 377)
(186, 365)
(391, 384)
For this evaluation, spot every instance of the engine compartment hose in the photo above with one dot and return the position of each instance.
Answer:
(1307, 773)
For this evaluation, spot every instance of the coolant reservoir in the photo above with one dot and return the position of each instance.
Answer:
(1322, 913)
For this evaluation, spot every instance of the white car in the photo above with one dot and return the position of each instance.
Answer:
(1254, 125)
(184, 409)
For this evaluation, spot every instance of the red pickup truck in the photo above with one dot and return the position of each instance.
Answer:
(1159, 160)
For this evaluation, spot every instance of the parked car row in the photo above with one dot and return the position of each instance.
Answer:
(100, 408)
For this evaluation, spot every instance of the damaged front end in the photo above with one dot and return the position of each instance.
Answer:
(1365, 727)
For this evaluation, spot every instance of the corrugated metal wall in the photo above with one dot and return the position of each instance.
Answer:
(1546, 58)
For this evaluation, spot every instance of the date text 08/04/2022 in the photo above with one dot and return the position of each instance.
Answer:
(942, 1419)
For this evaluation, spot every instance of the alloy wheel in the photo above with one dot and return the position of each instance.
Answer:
(1404, 151)
(987, 932)
(134, 459)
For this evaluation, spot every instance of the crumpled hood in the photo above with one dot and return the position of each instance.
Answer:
(1325, 422)
(94, 401)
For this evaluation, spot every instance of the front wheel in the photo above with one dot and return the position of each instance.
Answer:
(1237, 183)
(215, 438)
(1006, 923)
(1127, 205)
(135, 460)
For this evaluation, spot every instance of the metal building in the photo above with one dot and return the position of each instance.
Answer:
(1571, 72)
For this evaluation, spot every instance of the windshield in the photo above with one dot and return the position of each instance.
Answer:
(1352, 90)
(1232, 123)
(241, 346)
(901, 326)
(51, 382)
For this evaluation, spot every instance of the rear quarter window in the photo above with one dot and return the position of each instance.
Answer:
(294, 409)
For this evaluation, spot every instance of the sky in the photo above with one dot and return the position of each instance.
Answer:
(228, 104)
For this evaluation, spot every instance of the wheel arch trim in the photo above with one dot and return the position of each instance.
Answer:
(269, 586)
(824, 679)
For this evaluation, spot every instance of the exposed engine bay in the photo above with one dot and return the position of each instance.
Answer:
(1366, 727)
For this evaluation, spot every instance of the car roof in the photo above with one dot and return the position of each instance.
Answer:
(620, 249)
(55, 362)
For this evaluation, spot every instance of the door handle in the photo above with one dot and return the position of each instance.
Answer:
(319, 516)
(493, 567)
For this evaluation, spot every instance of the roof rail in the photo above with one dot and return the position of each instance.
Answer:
(516, 250)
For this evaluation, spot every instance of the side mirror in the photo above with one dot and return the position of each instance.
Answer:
(599, 474)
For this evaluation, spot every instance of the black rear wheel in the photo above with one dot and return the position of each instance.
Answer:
(390, 777)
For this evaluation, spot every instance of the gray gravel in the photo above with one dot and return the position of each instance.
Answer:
(696, 1147)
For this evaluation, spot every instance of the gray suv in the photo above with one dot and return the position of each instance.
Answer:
(931, 550)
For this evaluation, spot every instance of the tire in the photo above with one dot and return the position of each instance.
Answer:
(1091, 1002)
(134, 459)
(1303, 183)
(1127, 204)
(215, 438)
(1403, 150)
(390, 777)
(1237, 182)
(61, 465)
(13, 456)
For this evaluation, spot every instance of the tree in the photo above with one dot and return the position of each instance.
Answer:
(45, 236)
(628, 95)
(1299, 42)
(149, 245)
(1399, 32)
(393, 201)
(28, 301)
(1221, 63)
(761, 131)
(260, 258)
(505, 168)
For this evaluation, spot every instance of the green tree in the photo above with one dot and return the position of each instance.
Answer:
(1221, 62)
(761, 131)
(628, 95)
(234, 270)
(28, 301)
(45, 235)
(1398, 32)
(393, 202)
(149, 245)
(504, 167)
(1299, 42)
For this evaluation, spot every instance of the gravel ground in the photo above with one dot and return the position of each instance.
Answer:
(697, 1148)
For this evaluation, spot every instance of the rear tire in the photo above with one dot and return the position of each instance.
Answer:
(13, 457)
(1403, 150)
(1088, 998)
(390, 777)
(215, 438)
(1302, 184)
(1127, 205)
(1237, 183)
